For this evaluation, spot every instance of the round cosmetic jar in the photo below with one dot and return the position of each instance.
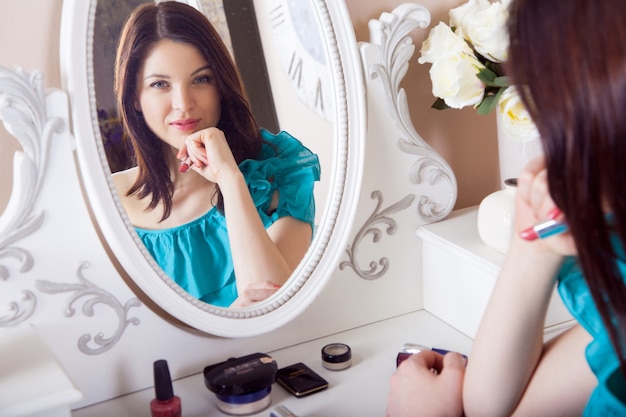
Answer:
(336, 356)
(243, 385)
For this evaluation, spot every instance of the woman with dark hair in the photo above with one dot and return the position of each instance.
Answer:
(568, 59)
(225, 208)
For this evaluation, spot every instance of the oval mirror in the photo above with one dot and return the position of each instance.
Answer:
(337, 101)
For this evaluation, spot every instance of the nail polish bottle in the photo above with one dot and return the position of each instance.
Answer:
(165, 403)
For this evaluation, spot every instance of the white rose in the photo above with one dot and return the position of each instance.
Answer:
(484, 25)
(466, 12)
(515, 120)
(454, 80)
(441, 41)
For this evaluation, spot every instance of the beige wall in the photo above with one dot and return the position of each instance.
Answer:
(467, 141)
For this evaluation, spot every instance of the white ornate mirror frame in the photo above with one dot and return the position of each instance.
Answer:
(120, 237)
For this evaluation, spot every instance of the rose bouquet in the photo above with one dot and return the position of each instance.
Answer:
(467, 57)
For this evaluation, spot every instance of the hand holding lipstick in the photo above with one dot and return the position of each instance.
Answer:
(550, 227)
(536, 214)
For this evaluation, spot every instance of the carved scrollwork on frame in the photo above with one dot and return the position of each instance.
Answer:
(94, 295)
(23, 111)
(24, 115)
(385, 60)
(390, 34)
(19, 310)
(378, 217)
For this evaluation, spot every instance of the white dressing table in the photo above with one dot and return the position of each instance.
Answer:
(360, 390)
(455, 296)
(72, 277)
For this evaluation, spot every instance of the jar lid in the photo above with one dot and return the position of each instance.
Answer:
(336, 356)
(240, 376)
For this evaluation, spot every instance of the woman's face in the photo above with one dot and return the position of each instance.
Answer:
(176, 92)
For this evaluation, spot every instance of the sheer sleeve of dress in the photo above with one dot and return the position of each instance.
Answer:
(286, 165)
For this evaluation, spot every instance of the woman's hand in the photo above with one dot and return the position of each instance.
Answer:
(255, 293)
(427, 384)
(534, 205)
(209, 154)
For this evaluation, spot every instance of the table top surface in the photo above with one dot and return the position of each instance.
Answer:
(360, 390)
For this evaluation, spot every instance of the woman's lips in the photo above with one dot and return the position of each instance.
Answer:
(187, 125)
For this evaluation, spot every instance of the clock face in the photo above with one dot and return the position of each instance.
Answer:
(302, 53)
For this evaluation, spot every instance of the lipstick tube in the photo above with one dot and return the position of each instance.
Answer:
(545, 229)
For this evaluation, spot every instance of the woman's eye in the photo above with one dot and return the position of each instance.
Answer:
(158, 84)
(204, 79)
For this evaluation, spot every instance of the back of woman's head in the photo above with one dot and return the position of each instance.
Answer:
(568, 58)
(179, 22)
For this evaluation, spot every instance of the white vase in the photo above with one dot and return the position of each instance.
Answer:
(515, 148)
(495, 217)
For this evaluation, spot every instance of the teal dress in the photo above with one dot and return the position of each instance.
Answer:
(197, 255)
(609, 397)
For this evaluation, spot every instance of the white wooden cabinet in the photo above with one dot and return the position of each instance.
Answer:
(32, 381)
(459, 272)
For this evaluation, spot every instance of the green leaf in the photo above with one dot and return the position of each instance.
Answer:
(439, 104)
(502, 81)
(485, 106)
(489, 103)
(487, 76)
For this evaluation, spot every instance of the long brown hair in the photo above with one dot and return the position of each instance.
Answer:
(148, 24)
(569, 59)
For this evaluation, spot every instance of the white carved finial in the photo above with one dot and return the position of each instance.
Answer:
(386, 59)
(23, 112)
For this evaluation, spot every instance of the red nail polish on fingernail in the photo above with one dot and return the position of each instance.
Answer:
(529, 234)
(555, 213)
(184, 167)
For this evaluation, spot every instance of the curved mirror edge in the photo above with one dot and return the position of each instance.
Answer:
(122, 243)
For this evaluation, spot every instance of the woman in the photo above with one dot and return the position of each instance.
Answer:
(232, 221)
(569, 59)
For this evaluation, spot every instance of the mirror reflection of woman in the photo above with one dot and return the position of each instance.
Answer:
(225, 208)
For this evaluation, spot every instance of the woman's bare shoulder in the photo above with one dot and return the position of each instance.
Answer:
(134, 206)
(123, 180)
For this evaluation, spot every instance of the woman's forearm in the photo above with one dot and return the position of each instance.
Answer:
(256, 256)
(510, 337)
